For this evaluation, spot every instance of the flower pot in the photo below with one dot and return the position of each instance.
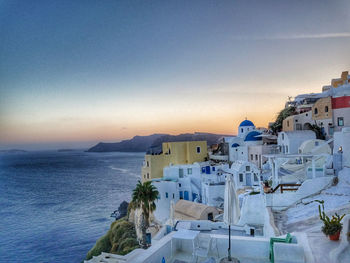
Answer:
(335, 236)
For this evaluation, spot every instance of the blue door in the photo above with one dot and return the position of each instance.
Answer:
(186, 197)
(207, 169)
(181, 195)
(248, 179)
(194, 196)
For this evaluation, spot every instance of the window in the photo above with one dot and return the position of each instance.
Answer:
(173, 196)
(256, 157)
(340, 121)
(326, 109)
(298, 127)
(181, 173)
(255, 178)
(214, 169)
(189, 170)
(179, 185)
(251, 157)
(198, 149)
(288, 123)
(241, 177)
(247, 168)
(144, 176)
(282, 136)
(147, 163)
(286, 148)
(241, 129)
(166, 195)
(147, 175)
(316, 111)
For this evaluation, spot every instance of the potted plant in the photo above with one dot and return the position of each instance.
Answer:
(331, 227)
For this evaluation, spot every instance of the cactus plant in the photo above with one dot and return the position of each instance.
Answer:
(331, 226)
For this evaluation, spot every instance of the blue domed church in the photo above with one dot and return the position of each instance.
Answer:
(248, 135)
(245, 127)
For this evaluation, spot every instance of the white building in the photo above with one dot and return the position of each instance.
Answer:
(239, 146)
(290, 141)
(342, 146)
(198, 182)
(341, 107)
(245, 174)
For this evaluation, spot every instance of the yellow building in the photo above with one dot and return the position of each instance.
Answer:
(322, 109)
(173, 153)
(344, 79)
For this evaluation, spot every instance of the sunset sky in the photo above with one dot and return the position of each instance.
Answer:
(73, 73)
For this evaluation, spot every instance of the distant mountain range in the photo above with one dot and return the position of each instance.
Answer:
(153, 143)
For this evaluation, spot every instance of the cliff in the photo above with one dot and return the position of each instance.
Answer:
(136, 144)
(153, 143)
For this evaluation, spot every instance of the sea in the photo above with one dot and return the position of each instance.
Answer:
(54, 205)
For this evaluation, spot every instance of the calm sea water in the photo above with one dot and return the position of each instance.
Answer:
(55, 205)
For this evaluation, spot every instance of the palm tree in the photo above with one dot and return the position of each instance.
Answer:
(143, 197)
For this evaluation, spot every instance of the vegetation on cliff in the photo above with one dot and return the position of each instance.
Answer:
(120, 239)
(283, 114)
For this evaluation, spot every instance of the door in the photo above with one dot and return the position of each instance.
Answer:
(248, 178)
(181, 173)
(181, 195)
(194, 196)
(186, 196)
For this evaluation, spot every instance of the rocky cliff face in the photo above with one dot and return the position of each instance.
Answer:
(136, 144)
(153, 143)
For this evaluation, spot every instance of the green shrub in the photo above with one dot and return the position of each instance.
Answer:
(102, 245)
(120, 239)
(283, 114)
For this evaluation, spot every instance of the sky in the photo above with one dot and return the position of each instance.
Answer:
(73, 73)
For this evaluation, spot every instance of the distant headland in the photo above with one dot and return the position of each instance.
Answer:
(153, 143)
(13, 151)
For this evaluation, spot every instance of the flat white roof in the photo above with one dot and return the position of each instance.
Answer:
(291, 155)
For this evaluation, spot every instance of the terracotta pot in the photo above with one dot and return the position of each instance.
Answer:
(335, 237)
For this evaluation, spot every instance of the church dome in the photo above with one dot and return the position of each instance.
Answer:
(252, 136)
(246, 123)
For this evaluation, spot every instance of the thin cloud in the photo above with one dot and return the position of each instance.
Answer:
(291, 37)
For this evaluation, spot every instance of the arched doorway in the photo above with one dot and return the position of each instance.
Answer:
(307, 126)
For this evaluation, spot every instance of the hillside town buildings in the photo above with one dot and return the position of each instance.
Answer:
(329, 110)
(278, 179)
